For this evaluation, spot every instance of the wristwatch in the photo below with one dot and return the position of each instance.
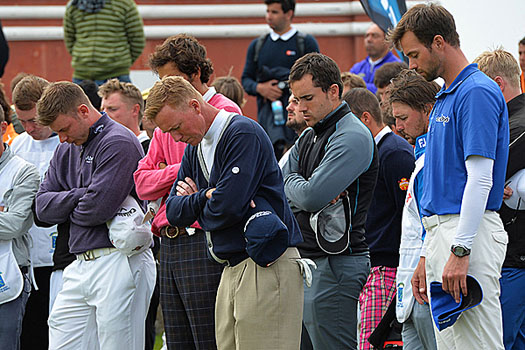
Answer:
(460, 250)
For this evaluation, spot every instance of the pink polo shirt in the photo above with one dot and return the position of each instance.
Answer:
(153, 183)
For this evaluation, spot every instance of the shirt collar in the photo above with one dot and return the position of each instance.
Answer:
(216, 125)
(285, 37)
(376, 62)
(209, 94)
(381, 134)
(464, 74)
(97, 128)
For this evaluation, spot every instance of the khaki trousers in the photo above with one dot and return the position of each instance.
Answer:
(260, 308)
(479, 327)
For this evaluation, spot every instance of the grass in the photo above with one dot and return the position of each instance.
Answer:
(158, 342)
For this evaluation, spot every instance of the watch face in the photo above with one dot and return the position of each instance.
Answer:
(460, 251)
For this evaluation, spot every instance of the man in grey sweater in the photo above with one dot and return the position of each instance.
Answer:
(19, 182)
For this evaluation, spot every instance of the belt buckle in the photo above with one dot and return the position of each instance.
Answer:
(89, 255)
(170, 235)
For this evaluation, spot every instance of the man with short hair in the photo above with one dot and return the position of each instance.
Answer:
(383, 76)
(351, 81)
(18, 186)
(412, 98)
(36, 145)
(89, 177)
(331, 171)
(268, 62)
(464, 177)
(502, 67)
(187, 303)
(379, 53)
(124, 104)
(229, 178)
(383, 223)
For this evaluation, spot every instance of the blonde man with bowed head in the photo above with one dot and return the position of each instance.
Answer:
(187, 303)
(229, 181)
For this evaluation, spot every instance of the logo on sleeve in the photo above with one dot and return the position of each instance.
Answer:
(290, 53)
(403, 184)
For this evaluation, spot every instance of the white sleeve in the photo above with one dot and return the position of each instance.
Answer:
(474, 202)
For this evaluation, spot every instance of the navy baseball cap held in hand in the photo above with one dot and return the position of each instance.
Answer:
(265, 233)
(445, 310)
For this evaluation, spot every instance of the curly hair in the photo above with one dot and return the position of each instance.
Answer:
(186, 53)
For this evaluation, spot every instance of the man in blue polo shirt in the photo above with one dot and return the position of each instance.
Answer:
(466, 158)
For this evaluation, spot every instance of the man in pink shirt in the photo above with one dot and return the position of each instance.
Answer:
(188, 279)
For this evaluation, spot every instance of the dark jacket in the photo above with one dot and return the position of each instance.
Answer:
(244, 167)
(514, 220)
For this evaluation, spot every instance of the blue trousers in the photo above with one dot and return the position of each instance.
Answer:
(513, 307)
(330, 304)
(12, 314)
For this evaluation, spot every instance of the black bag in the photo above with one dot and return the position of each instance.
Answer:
(387, 334)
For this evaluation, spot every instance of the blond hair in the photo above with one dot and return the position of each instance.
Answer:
(352, 80)
(28, 91)
(172, 91)
(502, 63)
(60, 98)
(129, 91)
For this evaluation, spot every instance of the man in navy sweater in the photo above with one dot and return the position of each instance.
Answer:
(383, 224)
(268, 63)
(227, 171)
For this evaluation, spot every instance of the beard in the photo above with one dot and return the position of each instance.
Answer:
(295, 125)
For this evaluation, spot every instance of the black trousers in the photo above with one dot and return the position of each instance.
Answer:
(34, 326)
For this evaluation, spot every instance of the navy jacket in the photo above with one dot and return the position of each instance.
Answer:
(383, 225)
(244, 166)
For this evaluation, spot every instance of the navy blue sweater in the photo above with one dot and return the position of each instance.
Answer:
(244, 166)
(383, 224)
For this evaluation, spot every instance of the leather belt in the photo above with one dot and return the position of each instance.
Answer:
(95, 253)
(172, 231)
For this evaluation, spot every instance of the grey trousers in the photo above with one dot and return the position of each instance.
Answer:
(11, 320)
(418, 330)
(330, 304)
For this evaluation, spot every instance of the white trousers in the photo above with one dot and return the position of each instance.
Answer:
(55, 286)
(111, 294)
(480, 327)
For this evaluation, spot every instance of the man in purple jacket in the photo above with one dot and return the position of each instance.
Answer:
(89, 176)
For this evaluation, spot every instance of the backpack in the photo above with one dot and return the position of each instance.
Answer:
(260, 41)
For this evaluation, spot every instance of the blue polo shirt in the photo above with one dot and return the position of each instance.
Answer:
(469, 118)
